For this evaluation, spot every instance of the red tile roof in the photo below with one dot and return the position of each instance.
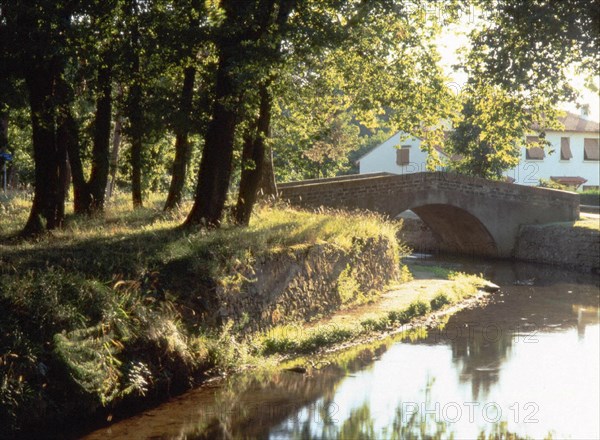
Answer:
(573, 122)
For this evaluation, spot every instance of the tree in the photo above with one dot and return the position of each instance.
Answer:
(307, 33)
(518, 70)
(96, 65)
(35, 46)
(383, 74)
(487, 134)
(528, 47)
(238, 40)
(190, 24)
(253, 158)
(134, 111)
(183, 150)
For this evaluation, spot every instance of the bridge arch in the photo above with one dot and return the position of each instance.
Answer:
(459, 230)
(475, 216)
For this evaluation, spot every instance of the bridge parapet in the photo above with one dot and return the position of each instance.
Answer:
(347, 191)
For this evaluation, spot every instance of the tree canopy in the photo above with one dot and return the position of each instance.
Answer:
(520, 65)
(140, 92)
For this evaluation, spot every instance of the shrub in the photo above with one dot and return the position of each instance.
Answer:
(417, 308)
(547, 183)
(590, 197)
(439, 301)
(347, 286)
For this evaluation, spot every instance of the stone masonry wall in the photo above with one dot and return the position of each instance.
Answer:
(301, 284)
(578, 248)
(419, 237)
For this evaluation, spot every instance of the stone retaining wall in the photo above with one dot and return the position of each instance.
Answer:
(301, 284)
(578, 248)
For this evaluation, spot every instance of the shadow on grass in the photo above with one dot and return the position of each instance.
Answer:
(175, 252)
(98, 257)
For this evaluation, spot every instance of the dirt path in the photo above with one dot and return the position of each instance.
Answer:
(424, 286)
(396, 299)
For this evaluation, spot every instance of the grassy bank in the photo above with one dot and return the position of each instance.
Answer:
(587, 221)
(398, 308)
(111, 309)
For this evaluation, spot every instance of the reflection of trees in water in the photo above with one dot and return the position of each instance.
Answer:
(479, 356)
(247, 409)
(481, 340)
(360, 424)
(251, 404)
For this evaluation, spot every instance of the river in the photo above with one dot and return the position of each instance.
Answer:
(526, 364)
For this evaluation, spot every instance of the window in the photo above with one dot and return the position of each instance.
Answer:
(590, 149)
(403, 155)
(534, 153)
(565, 149)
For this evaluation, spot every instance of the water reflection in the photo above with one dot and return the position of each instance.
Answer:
(531, 384)
(527, 364)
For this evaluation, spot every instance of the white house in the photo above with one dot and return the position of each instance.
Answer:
(575, 160)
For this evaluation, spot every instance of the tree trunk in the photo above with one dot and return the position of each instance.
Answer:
(135, 121)
(68, 135)
(116, 146)
(3, 142)
(216, 163)
(67, 177)
(100, 161)
(49, 155)
(89, 195)
(114, 156)
(3, 128)
(135, 114)
(253, 159)
(268, 185)
(182, 145)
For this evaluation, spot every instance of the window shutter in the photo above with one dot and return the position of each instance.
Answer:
(403, 156)
(590, 149)
(534, 153)
(565, 149)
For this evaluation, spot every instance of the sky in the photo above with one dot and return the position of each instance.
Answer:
(455, 36)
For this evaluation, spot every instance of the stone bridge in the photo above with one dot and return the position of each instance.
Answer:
(471, 215)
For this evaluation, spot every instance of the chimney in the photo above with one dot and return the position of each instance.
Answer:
(584, 112)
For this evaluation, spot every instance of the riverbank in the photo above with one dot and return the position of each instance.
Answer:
(128, 308)
(420, 303)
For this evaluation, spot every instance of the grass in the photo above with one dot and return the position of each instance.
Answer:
(589, 222)
(592, 223)
(126, 242)
(111, 308)
(436, 271)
